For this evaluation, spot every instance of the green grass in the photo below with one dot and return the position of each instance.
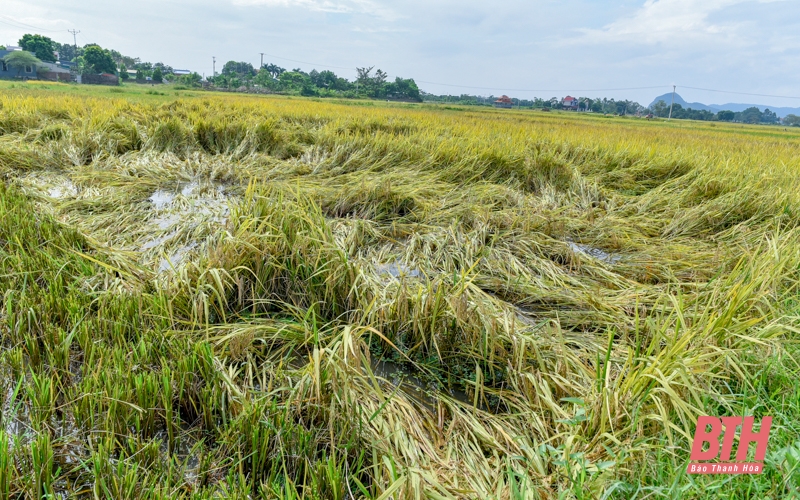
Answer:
(197, 292)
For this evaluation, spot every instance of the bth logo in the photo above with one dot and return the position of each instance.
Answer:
(723, 449)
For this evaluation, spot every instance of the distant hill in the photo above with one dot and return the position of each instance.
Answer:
(667, 98)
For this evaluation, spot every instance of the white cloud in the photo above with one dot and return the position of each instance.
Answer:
(338, 7)
(316, 5)
(668, 21)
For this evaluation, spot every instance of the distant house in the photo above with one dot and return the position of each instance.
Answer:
(569, 103)
(9, 72)
(504, 102)
(54, 72)
(180, 72)
(53, 67)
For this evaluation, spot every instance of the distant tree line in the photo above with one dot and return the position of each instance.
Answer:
(792, 120)
(749, 115)
(596, 105)
(623, 107)
(326, 83)
(92, 58)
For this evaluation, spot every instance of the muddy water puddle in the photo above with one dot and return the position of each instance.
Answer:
(192, 198)
(179, 210)
(413, 384)
(53, 185)
(397, 269)
(176, 257)
(602, 255)
(65, 189)
(161, 199)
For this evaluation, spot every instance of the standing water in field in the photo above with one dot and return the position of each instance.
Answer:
(596, 253)
(397, 269)
(420, 388)
(54, 185)
(161, 199)
(185, 216)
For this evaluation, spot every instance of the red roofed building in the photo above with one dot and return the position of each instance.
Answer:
(503, 102)
(569, 103)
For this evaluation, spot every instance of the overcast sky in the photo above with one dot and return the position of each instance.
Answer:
(545, 48)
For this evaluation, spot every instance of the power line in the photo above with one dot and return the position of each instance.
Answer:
(306, 62)
(24, 25)
(741, 93)
(481, 88)
(541, 90)
(547, 90)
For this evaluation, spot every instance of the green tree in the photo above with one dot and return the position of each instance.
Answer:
(295, 80)
(158, 76)
(792, 120)
(751, 115)
(123, 71)
(677, 111)
(66, 51)
(402, 89)
(661, 109)
(328, 80)
(726, 116)
(363, 79)
(369, 84)
(274, 70)
(41, 46)
(191, 80)
(769, 116)
(264, 78)
(98, 60)
(308, 90)
(165, 68)
(241, 69)
(21, 60)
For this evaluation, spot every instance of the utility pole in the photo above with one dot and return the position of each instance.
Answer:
(262, 61)
(75, 44)
(673, 103)
(74, 38)
(213, 66)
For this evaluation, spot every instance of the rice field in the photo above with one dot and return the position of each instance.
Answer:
(219, 296)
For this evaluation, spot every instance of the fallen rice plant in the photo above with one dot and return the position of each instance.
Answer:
(236, 297)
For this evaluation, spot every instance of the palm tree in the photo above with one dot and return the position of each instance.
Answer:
(20, 59)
